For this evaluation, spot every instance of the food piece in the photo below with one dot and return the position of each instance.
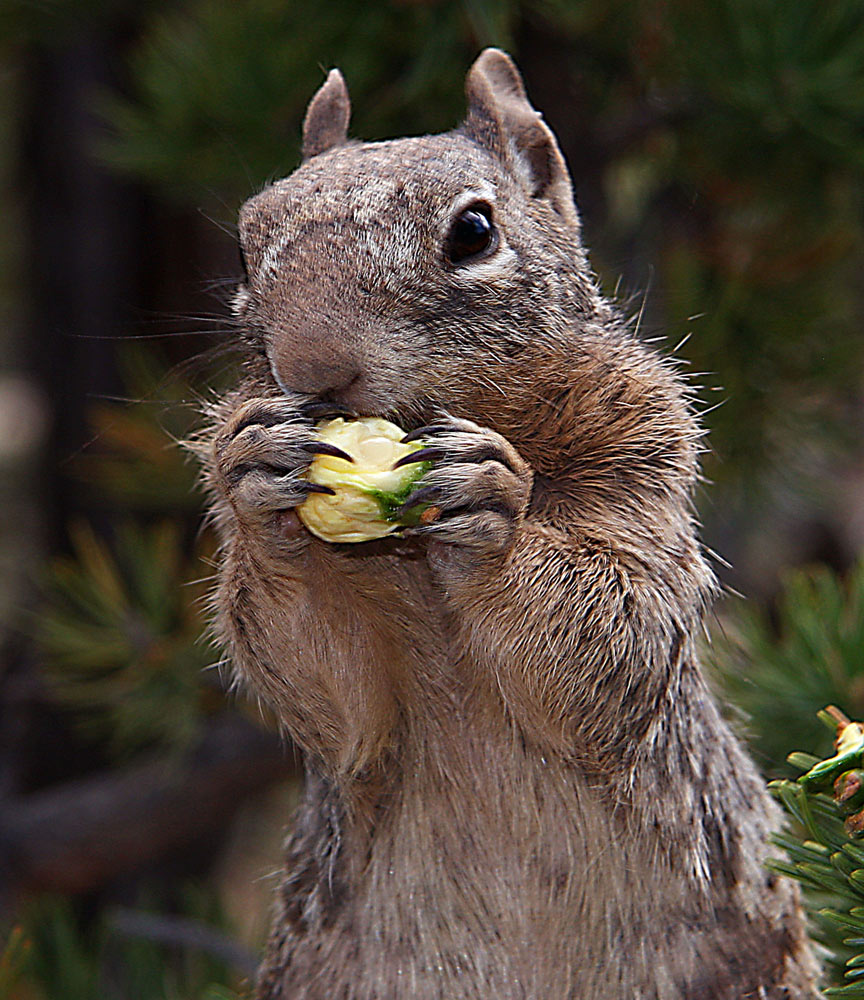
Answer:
(368, 491)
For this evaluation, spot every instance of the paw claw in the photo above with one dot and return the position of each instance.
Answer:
(264, 413)
(323, 448)
(420, 432)
(422, 495)
(318, 488)
(422, 455)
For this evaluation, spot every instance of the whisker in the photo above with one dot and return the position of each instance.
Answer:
(230, 229)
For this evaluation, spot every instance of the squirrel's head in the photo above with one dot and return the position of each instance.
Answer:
(397, 277)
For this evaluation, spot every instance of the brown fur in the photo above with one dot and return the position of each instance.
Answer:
(519, 786)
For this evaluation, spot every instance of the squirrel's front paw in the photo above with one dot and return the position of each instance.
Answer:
(262, 452)
(478, 489)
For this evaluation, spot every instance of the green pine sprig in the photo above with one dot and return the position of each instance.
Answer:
(121, 636)
(825, 858)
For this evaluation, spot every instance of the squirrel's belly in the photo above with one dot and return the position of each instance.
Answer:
(558, 902)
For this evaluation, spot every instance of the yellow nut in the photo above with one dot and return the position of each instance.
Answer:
(368, 491)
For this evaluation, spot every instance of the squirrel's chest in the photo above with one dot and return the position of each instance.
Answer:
(367, 595)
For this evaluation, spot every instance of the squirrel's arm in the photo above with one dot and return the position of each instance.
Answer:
(582, 638)
(280, 607)
(582, 615)
(295, 624)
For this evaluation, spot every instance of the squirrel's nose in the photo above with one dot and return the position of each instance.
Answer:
(321, 380)
(331, 379)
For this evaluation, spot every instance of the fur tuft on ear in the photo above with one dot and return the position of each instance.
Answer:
(326, 121)
(501, 118)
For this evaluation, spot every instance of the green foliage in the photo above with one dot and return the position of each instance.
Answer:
(123, 627)
(220, 89)
(14, 958)
(778, 666)
(133, 463)
(135, 460)
(829, 864)
(771, 149)
(57, 954)
(830, 868)
(121, 634)
(780, 75)
(808, 652)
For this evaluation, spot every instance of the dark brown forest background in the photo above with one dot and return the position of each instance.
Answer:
(718, 156)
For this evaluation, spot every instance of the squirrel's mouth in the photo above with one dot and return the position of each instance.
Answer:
(357, 390)
(408, 419)
(408, 416)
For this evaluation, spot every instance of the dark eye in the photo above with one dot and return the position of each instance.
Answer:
(470, 234)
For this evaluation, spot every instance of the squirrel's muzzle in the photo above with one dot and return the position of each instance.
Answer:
(317, 344)
(333, 379)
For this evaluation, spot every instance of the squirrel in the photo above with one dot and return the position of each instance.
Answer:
(518, 784)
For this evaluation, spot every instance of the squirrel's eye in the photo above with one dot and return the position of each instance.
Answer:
(472, 232)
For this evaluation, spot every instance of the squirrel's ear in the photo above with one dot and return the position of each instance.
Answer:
(326, 121)
(501, 118)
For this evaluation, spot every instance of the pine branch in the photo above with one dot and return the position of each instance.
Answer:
(826, 855)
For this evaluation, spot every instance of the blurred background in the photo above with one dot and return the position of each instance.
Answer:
(718, 156)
